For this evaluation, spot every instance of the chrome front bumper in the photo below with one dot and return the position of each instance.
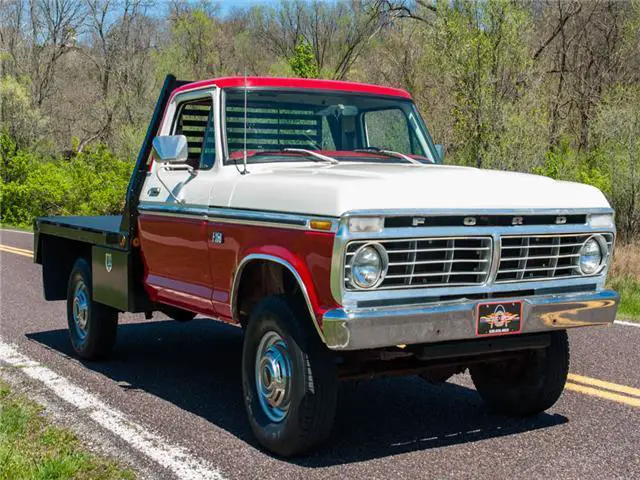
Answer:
(359, 329)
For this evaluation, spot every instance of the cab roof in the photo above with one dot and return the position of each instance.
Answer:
(295, 83)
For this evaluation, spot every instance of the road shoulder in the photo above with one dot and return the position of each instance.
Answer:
(103, 429)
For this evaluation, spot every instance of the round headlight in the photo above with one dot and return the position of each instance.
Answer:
(368, 266)
(592, 255)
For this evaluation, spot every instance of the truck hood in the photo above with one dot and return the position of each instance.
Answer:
(332, 190)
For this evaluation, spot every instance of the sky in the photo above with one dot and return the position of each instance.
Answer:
(225, 5)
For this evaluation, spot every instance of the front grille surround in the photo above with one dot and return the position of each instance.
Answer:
(544, 257)
(477, 260)
(429, 262)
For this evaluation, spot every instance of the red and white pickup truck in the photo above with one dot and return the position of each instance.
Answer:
(318, 216)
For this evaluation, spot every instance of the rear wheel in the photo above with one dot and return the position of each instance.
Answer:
(288, 378)
(92, 325)
(527, 385)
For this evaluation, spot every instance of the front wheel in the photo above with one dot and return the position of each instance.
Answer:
(526, 385)
(288, 377)
(92, 325)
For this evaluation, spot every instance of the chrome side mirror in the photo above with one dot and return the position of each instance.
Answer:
(172, 149)
(440, 152)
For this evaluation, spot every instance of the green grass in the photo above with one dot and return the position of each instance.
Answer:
(10, 226)
(629, 290)
(31, 448)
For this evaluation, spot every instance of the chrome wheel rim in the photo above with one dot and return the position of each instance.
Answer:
(273, 376)
(81, 309)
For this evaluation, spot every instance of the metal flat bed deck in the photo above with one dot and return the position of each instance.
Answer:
(96, 230)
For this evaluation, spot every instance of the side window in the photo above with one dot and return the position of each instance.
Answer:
(195, 121)
(208, 153)
(388, 129)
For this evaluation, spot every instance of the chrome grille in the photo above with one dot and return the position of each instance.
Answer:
(431, 262)
(541, 257)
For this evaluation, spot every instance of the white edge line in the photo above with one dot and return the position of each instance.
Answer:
(15, 231)
(174, 458)
(627, 324)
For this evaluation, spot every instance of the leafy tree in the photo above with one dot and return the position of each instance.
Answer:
(303, 63)
(618, 131)
(18, 116)
(544, 86)
(482, 47)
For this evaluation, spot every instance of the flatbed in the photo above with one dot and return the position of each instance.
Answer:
(98, 230)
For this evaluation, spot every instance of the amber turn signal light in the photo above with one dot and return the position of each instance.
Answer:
(320, 224)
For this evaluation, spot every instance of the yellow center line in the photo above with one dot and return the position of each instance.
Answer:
(594, 382)
(17, 251)
(616, 397)
(11, 247)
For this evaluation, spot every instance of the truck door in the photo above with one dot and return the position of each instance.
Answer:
(173, 215)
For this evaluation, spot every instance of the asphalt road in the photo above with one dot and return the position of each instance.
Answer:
(183, 382)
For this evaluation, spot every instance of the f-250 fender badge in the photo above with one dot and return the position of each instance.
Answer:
(217, 237)
(108, 262)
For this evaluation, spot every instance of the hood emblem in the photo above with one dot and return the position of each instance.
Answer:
(108, 262)
(469, 221)
(417, 221)
(517, 221)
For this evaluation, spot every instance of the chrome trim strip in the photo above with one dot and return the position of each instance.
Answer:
(271, 258)
(462, 231)
(358, 329)
(237, 216)
(191, 216)
(409, 296)
(439, 212)
(495, 258)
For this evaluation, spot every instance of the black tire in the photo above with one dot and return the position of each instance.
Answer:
(435, 378)
(99, 334)
(528, 386)
(313, 388)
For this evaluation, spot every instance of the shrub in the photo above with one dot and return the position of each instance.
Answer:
(89, 183)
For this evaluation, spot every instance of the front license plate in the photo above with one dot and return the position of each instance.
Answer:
(499, 318)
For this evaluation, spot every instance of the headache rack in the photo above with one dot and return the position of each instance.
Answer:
(272, 126)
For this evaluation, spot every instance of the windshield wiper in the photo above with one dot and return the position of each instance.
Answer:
(390, 153)
(310, 153)
(313, 154)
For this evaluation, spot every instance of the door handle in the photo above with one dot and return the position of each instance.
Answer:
(153, 191)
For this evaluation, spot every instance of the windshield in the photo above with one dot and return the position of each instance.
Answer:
(282, 125)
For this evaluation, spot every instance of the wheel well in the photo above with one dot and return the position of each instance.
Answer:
(58, 257)
(261, 278)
